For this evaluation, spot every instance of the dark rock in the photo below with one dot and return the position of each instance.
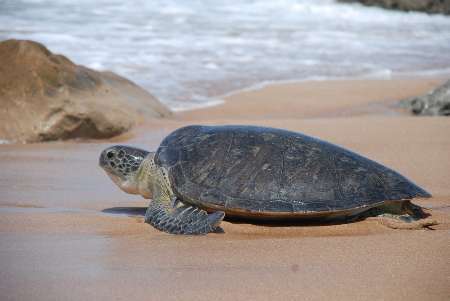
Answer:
(436, 102)
(45, 97)
(428, 6)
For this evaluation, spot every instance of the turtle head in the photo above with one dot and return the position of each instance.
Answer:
(122, 165)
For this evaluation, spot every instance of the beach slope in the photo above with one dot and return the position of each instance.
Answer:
(68, 233)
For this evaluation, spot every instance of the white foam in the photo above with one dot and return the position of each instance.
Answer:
(200, 103)
(442, 72)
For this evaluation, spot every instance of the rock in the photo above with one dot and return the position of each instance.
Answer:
(428, 6)
(436, 102)
(45, 97)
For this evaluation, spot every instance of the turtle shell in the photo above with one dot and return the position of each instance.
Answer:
(259, 171)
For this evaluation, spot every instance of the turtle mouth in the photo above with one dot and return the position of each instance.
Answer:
(126, 185)
(115, 178)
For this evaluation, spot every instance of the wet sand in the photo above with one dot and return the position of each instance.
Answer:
(63, 239)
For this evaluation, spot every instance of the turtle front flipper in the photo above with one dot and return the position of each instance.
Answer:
(165, 212)
(183, 219)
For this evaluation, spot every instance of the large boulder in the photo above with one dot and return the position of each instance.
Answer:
(436, 102)
(428, 6)
(45, 97)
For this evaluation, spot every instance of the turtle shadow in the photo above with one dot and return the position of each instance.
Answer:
(292, 222)
(130, 211)
(140, 211)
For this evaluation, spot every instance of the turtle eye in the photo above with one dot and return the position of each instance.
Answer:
(110, 154)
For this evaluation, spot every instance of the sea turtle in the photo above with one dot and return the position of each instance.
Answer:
(200, 173)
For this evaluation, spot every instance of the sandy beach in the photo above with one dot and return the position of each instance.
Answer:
(68, 233)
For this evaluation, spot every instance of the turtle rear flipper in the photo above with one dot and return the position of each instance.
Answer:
(405, 222)
(183, 219)
(402, 215)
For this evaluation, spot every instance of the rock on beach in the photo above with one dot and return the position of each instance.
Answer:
(428, 6)
(45, 96)
(434, 103)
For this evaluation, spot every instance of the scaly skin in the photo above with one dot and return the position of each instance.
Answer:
(163, 212)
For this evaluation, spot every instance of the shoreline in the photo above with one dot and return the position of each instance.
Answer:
(221, 98)
(386, 101)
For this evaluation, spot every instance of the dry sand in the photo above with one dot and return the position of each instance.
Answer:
(57, 244)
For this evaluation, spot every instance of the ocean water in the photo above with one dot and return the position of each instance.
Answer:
(188, 53)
